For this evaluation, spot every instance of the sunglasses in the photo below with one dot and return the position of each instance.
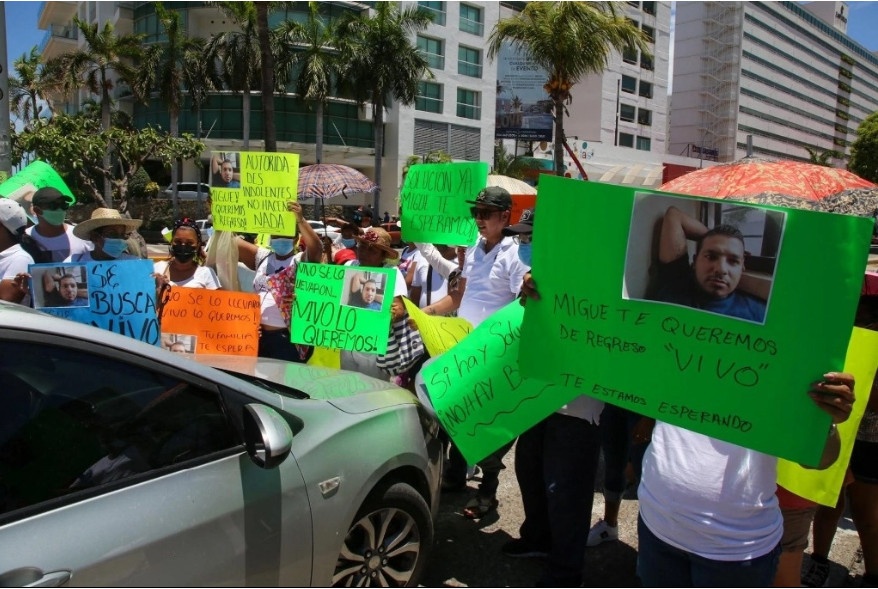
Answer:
(478, 213)
(55, 205)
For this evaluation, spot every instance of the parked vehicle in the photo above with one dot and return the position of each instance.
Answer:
(330, 231)
(186, 191)
(122, 464)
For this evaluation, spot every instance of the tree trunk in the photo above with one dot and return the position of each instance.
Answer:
(559, 138)
(318, 119)
(378, 121)
(175, 177)
(105, 126)
(245, 113)
(269, 132)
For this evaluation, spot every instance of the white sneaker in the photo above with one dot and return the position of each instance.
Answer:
(602, 532)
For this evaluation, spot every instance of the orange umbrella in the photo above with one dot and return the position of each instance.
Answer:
(753, 176)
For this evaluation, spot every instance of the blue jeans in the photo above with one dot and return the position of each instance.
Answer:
(617, 425)
(556, 464)
(661, 565)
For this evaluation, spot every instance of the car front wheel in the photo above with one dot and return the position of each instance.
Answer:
(388, 543)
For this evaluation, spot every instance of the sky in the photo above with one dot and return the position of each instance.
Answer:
(22, 32)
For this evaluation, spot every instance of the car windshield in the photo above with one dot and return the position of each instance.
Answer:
(270, 386)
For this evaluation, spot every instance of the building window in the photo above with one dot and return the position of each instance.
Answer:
(646, 61)
(645, 89)
(644, 143)
(626, 113)
(629, 84)
(429, 97)
(635, 4)
(433, 51)
(626, 140)
(469, 104)
(649, 32)
(629, 55)
(436, 10)
(469, 61)
(644, 116)
(471, 19)
(649, 7)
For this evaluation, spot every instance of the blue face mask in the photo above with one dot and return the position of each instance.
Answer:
(349, 242)
(281, 246)
(524, 253)
(114, 247)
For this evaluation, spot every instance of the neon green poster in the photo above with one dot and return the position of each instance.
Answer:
(724, 338)
(343, 307)
(478, 392)
(250, 191)
(433, 199)
(39, 174)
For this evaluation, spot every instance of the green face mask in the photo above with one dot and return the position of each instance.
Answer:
(54, 217)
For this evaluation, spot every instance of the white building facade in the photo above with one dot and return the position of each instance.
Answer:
(784, 73)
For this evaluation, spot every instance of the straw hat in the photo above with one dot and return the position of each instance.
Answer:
(104, 218)
(379, 238)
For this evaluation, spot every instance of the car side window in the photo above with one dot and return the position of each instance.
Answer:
(72, 420)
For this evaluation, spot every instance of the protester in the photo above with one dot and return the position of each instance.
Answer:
(428, 285)
(108, 232)
(366, 218)
(14, 260)
(555, 466)
(491, 277)
(184, 266)
(279, 259)
(409, 259)
(51, 232)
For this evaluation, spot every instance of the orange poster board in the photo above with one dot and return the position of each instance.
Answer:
(202, 321)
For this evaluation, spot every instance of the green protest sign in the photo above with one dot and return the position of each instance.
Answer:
(479, 394)
(343, 307)
(433, 200)
(250, 190)
(40, 175)
(726, 341)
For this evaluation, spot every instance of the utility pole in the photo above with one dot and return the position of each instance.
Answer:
(5, 143)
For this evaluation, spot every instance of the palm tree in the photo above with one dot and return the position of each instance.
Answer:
(820, 157)
(162, 70)
(509, 164)
(31, 86)
(314, 49)
(569, 40)
(200, 77)
(104, 55)
(385, 66)
(267, 82)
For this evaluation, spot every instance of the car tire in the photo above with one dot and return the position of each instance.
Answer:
(388, 542)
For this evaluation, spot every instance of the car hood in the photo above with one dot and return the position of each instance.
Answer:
(349, 391)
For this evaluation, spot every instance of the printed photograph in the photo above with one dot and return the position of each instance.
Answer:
(719, 257)
(363, 289)
(225, 169)
(61, 285)
(179, 343)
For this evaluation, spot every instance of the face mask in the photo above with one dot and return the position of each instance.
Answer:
(114, 247)
(54, 217)
(524, 253)
(183, 253)
(281, 246)
(349, 242)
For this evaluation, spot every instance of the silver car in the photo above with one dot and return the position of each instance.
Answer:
(122, 464)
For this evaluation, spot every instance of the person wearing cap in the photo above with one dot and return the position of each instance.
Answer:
(555, 465)
(51, 232)
(490, 280)
(108, 231)
(14, 259)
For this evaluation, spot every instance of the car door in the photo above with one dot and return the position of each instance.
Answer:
(118, 470)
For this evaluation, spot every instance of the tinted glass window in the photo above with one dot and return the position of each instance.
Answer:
(72, 420)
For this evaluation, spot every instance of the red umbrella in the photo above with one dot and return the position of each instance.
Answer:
(753, 176)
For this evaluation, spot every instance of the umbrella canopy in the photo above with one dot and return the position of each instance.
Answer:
(513, 185)
(753, 176)
(329, 180)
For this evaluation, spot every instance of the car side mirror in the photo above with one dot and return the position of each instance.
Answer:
(267, 435)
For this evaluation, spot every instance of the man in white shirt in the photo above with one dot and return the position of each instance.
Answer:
(51, 232)
(492, 275)
(14, 261)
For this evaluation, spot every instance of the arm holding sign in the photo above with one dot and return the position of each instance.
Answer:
(835, 396)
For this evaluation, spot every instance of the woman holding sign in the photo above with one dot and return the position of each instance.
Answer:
(274, 282)
(185, 265)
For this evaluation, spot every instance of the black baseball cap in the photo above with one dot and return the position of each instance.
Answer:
(493, 196)
(48, 195)
(525, 224)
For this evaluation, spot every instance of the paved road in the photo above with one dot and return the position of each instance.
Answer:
(467, 553)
